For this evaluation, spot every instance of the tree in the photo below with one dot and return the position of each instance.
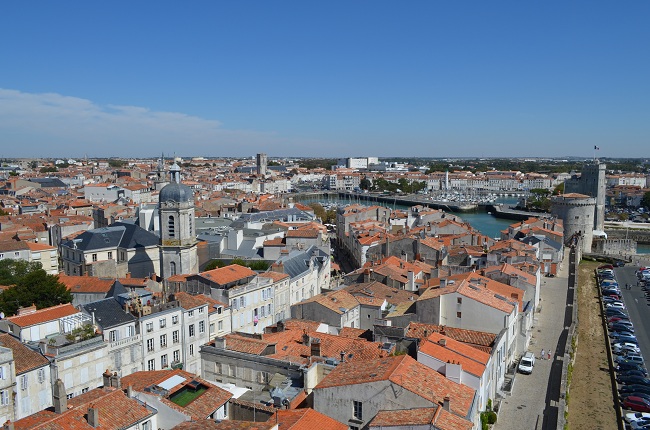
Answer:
(646, 199)
(213, 265)
(29, 284)
(365, 184)
(116, 163)
(559, 189)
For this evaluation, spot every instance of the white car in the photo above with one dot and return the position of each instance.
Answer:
(616, 305)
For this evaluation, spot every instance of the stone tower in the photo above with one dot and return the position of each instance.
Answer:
(591, 182)
(178, 251)
(262, 163)
(576, 212)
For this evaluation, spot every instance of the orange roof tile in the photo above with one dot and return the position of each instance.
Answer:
(44, 315)
(228, 274)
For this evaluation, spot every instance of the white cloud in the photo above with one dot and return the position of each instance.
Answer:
(51, 125)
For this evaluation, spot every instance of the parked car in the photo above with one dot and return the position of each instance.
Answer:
(636, 404)
(621, 368)
(621, 327)
(631, 388)
(642, 395)
(527, 363)
(615, 305)
(627, 380)
(614, 334)
(635, 416)
(627, 339)
(625, 347)
(606, 266)
(634, 359)
(614, 319)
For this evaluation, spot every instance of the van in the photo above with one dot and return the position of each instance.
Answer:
(526, 363)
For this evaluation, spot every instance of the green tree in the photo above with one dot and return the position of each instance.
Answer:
(29, 284)
(213, 265)
(559, 189)
(646, 199)
(116, 163)
(49, 169)
(319, 210)
(365, 184)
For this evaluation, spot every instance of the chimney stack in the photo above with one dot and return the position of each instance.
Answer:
(305, 338)
(129, 391)
(315, 347)
(342, 356)
(93, 416)
(116, 381)
(107, 378)
(59, 397)
(8, 425)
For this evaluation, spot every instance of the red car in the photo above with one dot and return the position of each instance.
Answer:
(636, 404)
(606, 266)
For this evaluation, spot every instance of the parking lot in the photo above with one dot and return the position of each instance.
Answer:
(626, 306)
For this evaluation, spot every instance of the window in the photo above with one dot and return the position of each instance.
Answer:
(4, 398)
(69, 396)
(163, 361)
(23, 382)
(242, 302)
(459, 300)
(171, 228)
(150, 345)
(219, 325)
(110, 255)
(177, 356)
(201, 310)
(175, 336)
(174, 319)
(211, 328)
(41, 375)
(151, 364)
(190, 313)
(85, 390)
(163, 322)
(112, 335)
(219, 310)
(131, 330)
(357, 410)
(172, 268)
(191, 330)
(201, 326)
(2, 372)
(149, 327)
(163, 340)
(458, 314)
(94, 257)
(191, 349)
(146, 425)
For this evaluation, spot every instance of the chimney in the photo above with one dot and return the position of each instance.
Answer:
(116, 381)
(129, 391)
(442, 342)
(93, 416)
(445, 403)
(315, 347)
(305, 338)
(342, 356)
(280, 326)
(8, 425)
(426, 333)
(107, 378)
(59, 398)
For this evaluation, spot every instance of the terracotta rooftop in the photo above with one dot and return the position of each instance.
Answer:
(115, 410)
(25, 358)
(403, 371)
(228, 274)
(86, 284)
(448, 350)
(305, 419)
(44, 315)
(199, 409)
(436, 417)
(480, 340)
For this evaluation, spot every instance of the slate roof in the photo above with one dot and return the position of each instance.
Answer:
(122, 235)
(49, 182)
(25, 358)
(108, 313)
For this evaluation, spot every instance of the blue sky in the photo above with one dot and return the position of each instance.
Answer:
(330, 79)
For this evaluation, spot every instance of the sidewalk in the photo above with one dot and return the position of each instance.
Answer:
(524, 408)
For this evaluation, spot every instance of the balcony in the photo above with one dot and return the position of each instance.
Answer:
(125, 342)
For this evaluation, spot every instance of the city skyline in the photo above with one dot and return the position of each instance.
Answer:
(336, 80)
